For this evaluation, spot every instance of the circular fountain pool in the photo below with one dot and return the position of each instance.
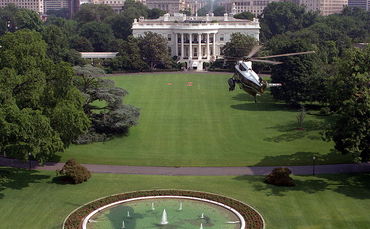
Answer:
(165, 209)
(166, 212)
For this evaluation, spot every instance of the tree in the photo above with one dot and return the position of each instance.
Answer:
(133, 9)
(13, 18)
(154, 51)
(245, 15)
(186, 11)
(41, 110)
(93, 13)
(155, 13)
(219, 11)
(56, 42)
(121, 26)
(114, 117)
(99, 34)
(281, 17)
(350, 99)
(204, 10)
(81, 44)
(239, 46)
(298, 74)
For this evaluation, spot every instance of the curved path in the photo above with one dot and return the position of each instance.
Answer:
(196, 171)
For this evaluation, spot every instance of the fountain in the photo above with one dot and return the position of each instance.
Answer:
(128, 214)
(153, 206)
(164, 217)
(202, 216)
(180, 208)
(123, 224)
(201, 226)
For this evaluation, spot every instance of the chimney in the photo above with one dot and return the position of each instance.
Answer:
(226, 18)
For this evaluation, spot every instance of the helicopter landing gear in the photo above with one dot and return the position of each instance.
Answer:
(231, 83)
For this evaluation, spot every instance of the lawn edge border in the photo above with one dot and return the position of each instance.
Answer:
(254, 220)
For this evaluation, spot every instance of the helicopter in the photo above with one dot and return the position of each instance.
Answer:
(249, 80)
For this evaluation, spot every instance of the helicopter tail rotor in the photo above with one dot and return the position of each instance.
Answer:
(274, 84)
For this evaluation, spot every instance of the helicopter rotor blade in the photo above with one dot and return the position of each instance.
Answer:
(287, 54)
(266, 61)
(254, 50)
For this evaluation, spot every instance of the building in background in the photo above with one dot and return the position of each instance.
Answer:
(196, 40)
(363, 4)
(115, 4)
(170, 6)
(240, 6)
(35, 5)
(56, 5)
(325, 7)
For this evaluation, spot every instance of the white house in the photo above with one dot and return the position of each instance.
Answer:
(195, 40)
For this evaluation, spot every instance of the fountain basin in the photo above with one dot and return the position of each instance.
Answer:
(80, 217)
(215, 214)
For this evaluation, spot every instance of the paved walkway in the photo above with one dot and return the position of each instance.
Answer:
(195, 171)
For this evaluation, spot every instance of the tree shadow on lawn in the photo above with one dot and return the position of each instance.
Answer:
(306, 158)
(14, 178)
(291, 131)
(355, 185)
(264, 103)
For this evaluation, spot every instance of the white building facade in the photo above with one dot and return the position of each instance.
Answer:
(35, 5)
(196, 40)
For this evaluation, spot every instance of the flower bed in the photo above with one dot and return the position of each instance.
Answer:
(253, 219)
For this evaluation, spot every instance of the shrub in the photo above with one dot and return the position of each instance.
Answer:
(280, 177)
(75, 172)
(325, 111)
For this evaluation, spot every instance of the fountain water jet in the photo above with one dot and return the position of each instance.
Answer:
(164, 220)
(128, 214)
(202, 216)
(201, 226)
(123, 224)
(153, 206)
(180, 208)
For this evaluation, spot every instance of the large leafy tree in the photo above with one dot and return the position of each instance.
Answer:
(239, 46)
(351, 101)
(133, 9)
(299, 75)
(13, 18)
(281, 17)
(93, 12)
(40, 108)
(244, 15)
(154, 51)
(99, 34)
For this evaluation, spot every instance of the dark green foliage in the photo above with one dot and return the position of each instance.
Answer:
(280, 177)
(245, 15)
(204, 10)
(93, 13)
(186, 11)
(13, 18)
(41, 109)
(99, 34)
(281, 17)
(75, 172)
(121, 26)
(153, 49)
(298, 74)
(113, 118)
(81, 44)
(155, 13)
(350, 98)
(133, 9)
(239, 46)
(219, 11)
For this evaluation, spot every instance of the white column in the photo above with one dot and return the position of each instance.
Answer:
(190, 46)
(199, 46)
(214, 45)
(207, 49)
(177, 44)
(182, 46)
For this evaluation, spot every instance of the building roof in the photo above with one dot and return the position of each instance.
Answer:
(98, 55)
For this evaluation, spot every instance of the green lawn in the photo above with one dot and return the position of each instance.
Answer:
(206, 125)
(32, 200)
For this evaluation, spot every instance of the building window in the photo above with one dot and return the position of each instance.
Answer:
(195, 51)
(169, 37)
(222, 37)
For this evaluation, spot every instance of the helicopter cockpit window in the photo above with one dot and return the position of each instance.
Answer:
(241, 67)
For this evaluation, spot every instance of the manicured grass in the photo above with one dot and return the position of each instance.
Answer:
(206, 125)
(33, 200)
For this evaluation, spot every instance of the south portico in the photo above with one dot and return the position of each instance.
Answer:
(195, 48)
